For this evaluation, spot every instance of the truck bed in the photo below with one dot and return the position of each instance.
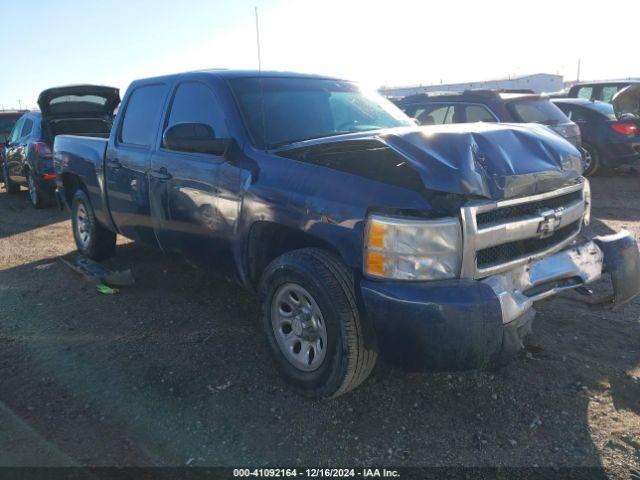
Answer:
(82, 157)
(82, 148)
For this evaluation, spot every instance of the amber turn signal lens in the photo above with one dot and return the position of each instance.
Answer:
(377, 232)
(375, 263)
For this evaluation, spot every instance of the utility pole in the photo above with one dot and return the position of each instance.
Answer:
(19, 104)
(258, 40)
(578, 75)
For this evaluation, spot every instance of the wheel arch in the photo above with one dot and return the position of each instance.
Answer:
(269, 240)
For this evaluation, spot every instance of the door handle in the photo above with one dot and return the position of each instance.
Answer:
(161, 174)
(115, 164)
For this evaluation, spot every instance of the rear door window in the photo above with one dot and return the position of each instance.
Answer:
(434, 114)
(477, 113)
(142, 114)
(195, 102)
(585, 92)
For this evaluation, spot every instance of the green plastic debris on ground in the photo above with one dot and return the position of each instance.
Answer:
(106, 289)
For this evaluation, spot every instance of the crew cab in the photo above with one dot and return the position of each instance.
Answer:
(361, 233)
(75, 109)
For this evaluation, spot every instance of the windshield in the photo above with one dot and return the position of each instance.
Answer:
(279, 111)
(537, 111)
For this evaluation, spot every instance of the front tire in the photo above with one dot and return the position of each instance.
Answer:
(92, 239)
(312, 323)
(9, 186)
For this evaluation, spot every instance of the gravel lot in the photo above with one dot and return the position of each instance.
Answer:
(174, 371)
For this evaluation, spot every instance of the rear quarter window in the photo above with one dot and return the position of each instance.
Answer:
(537, 111)
(141, 115)
(608, 91)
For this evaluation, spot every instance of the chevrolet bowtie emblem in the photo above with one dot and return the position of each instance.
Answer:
(551, 222)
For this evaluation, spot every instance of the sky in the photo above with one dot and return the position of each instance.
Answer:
(390, 43)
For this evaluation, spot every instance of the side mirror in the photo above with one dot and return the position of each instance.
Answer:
(193, 137)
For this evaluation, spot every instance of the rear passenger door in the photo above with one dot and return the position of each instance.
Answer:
(128, 159)
(194, 196)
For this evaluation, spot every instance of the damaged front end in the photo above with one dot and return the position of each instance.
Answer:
(520, 244)
(516, 196)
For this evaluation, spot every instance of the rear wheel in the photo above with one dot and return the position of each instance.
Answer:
(591, 159)
(9, 186)
(92, 239)
(36, 197)
(312, 323)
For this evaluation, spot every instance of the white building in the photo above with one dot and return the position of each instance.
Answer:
(538, 82)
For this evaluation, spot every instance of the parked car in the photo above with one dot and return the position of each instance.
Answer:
(603, 91)
(608, 141)
(8, 119)
(489, 106)
(362, 233)
(78, 109)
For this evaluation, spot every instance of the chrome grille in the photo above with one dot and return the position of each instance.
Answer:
(508, 213)
(501, 235)
(488, 257)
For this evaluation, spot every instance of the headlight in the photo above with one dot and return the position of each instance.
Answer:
(404, 249)
(586, 195)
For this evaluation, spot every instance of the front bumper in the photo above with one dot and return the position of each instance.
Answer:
(464, 324)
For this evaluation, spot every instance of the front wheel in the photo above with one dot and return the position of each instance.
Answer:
(9, 186)
(92, 239)
(312, 323)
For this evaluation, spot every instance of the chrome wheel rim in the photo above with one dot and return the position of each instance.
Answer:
(299, 327)
(83, 226)
(33, 192)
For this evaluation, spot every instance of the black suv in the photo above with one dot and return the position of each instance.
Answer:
(489, 106)
(76, 109)
(603, 91)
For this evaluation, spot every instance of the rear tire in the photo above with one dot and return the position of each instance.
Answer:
(591, 159)
(308, 305)
(92, 239)
(9, 186)
(36, 196)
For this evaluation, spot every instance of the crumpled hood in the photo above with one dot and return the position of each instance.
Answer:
(492, 160)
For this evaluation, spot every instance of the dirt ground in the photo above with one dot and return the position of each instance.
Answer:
(174, 371)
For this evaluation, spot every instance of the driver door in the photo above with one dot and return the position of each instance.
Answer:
(194, 199)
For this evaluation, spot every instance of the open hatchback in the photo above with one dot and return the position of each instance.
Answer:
(78, 110)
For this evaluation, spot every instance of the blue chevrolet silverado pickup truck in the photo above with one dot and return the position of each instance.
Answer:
(362, 233)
